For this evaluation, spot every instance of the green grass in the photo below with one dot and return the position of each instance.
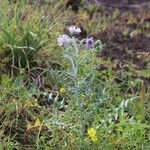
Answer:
(36, 114)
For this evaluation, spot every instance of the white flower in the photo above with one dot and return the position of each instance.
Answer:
(63, 40)
(74, 30)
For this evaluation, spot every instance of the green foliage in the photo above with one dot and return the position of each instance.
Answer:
(22, 34)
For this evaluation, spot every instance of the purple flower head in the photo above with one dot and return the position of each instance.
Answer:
(63, 40)
(90, 42)
(74, 30)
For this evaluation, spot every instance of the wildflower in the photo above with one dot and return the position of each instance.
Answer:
(94, 139)
(63, 40)
(89, 42)
(92, 134)
(74, 30)
(62, 90)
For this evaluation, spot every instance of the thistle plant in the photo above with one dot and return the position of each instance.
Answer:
(81, 59)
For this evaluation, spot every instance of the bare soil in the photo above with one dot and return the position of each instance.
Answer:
(128, 37)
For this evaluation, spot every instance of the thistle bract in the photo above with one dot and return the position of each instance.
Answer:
(63, 40)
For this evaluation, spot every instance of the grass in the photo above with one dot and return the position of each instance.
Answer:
(51, 96)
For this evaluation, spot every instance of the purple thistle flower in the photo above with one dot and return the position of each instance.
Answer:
(63, 40)
(90, 42)
(74, 30)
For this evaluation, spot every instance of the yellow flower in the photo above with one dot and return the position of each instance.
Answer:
(91, 132)
(62, 90)
(94, 138)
